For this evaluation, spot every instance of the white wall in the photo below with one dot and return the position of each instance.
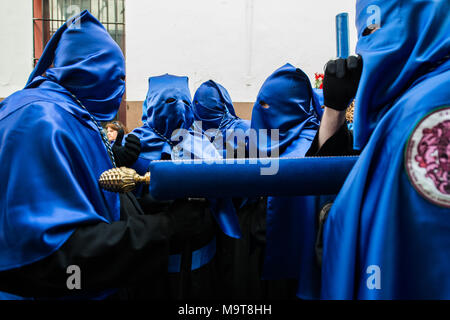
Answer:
(235, 42)
(16, 39)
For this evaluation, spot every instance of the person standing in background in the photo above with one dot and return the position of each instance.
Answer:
(113, 128)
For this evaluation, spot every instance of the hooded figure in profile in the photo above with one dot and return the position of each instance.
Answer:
(53, 214)
(285, 109)
(285, 106)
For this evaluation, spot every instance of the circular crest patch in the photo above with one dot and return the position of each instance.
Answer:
(427, 159)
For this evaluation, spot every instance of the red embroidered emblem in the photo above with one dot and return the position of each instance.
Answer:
(427, 158)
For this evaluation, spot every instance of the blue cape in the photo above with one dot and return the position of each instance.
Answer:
(52, 152)
(214, 108)
(384, 239)
(168, 108)
(319, 102)
(289, 95)
(291, 231)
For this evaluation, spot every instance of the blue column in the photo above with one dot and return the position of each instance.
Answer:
(342, 39)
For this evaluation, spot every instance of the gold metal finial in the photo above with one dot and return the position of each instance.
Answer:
(350, 112)
(122, 179)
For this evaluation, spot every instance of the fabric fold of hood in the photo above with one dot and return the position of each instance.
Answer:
(168, 122)
(214, 112)
(285, 102)
(413, 38)
(88, 63)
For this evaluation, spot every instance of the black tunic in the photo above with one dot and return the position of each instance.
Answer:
(201, 282)
(129, 253)
(240, 261)
(199, 232)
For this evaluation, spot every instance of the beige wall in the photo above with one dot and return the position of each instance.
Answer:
(134, 112)
(16, 37)
(235, 43)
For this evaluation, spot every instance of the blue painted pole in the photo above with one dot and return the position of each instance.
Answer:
(342, 38)
(227, 179)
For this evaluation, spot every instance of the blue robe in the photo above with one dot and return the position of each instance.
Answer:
(286, 102)
(385, 238)
(52, 152)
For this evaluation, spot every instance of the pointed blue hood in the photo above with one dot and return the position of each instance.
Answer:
(169, 104)
(413, 38)
(165, 109)
(88, 63)
(291, 107)
(213, 106)
(168, 108)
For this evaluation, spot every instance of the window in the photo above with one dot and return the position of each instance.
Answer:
(49, 15)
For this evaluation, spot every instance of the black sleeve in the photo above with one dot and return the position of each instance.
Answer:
(340, 144)
(110, 256)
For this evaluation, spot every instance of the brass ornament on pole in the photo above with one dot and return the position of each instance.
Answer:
(349, 113)
(122, 179)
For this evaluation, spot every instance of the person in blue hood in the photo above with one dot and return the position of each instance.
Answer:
(387, 235)
(169, 133)
(285, 107)
(213, 108)
(54, 217)
(238, 260)
(166, 133)
(286, 103)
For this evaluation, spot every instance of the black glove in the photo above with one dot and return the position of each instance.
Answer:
(341, 82)
(126, 156)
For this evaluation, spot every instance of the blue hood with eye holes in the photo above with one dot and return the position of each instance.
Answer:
(291, 110)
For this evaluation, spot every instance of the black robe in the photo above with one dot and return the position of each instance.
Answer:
(199, 231)
(240, 261)
(129, 253)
